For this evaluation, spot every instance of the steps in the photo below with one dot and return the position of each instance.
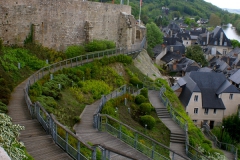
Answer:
(177, 138)
(37, 142)
(162, 113)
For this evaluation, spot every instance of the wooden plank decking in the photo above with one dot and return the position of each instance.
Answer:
(38, 144)
(86, 132)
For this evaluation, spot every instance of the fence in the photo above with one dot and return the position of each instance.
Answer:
(105, 124)
(225, 146)
(60, 134)
(191, 152)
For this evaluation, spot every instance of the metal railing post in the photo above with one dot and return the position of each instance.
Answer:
(66, 140)
(78, 150)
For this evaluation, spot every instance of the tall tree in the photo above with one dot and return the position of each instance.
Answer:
(214, 20)
(195, 53)
(154, 37)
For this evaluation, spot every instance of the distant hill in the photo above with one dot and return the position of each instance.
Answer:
(237, 11)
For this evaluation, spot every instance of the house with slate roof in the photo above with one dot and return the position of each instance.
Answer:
(218, 65)
(217, 40)
(186, 38)
(235, 78)
(172, 48)
(208, 97)
(183, 65)
(233, 58)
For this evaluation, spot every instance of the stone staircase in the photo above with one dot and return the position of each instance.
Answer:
(37, 142)
(177, 136)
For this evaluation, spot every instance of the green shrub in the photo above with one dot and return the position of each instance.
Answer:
(95, 45)
(3, 108)
(75, 50)
(135, 81)
(148, 120)
(140, 99)
(144, 92)
(145, 108)
(110, 44)
(76, 119)
(35, 90)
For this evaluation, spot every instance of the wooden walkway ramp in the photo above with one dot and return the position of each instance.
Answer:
(86, 132)
(177, 138)
(38, 144)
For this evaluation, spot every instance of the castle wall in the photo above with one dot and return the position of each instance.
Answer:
(59, 23)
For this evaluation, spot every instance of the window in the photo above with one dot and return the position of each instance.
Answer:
(225, 43)
(195, 110)
(195, 121)
(186, 42)
(206, 111)
(224, 51)
(231, 96)
(195, 98)
(215, 43)
(214, 111)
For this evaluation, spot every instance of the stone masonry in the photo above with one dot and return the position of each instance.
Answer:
(60, 23)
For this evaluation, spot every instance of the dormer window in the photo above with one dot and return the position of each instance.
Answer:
(225, 43)
(203, 43)
(215, 43)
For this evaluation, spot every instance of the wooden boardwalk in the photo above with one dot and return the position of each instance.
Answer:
(38, 144)
(172, 126)
(86, 132)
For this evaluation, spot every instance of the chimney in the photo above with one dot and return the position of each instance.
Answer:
(228, 60)
(221, 39)
(175, 66)
(170, 33)
(239, 56)
(207, 38)
(171, 49)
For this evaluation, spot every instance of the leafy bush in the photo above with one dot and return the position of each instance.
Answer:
(99, 45)
(48, 103)
(12, 57)
(147, 120)
(3, 108)
(96, 88)
(135, 111)
(144, 92)
(135, 81)
(140, 99)
(75, 50)
(145, 108)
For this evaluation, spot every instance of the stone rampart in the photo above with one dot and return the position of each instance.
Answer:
(60, 23)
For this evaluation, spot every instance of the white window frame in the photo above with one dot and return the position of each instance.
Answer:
(206, 111)
(195, 98)
(224, 51)
(195, 111)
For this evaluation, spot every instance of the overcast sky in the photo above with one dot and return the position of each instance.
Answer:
(231, 4)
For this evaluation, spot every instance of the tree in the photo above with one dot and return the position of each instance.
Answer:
(235, 43)
(232, 126)
(214, 20)
(195, 53)
(154, 37)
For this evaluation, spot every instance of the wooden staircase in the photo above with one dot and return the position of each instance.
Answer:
(38, 143)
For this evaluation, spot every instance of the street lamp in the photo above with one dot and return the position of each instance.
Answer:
(222, 133)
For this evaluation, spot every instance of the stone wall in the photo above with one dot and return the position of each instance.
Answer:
(60, 23)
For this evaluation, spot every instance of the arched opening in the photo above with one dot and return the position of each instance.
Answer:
(137, 34)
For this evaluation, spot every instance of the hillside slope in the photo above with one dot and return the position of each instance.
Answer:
(145, 64)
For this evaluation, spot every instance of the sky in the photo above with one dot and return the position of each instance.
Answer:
(231, 4)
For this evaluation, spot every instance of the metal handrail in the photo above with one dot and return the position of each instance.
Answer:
(229, 147)
(141, 134)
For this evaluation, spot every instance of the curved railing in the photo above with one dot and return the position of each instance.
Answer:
(60, 134)
(225, 146)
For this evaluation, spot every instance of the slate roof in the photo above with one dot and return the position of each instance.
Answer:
(157, 50)
(171, 41)
(184, 36)
(210, 84)
(170, 56)
(229, 60)
(218, 65)
(205, 69)
(214, 38)
(208, 50)
(235, 77)
(234, 52)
